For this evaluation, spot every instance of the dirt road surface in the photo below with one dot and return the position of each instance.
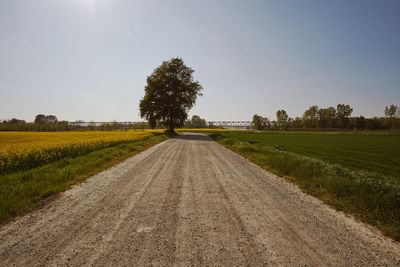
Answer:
(189, 201)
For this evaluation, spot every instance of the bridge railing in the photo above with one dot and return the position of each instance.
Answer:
(131, 123)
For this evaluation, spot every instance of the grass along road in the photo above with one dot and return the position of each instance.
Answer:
(190, 201)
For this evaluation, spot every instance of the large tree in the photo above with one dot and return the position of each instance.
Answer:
(169, 94)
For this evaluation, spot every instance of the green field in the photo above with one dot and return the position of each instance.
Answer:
(357, 173)
(373, 152)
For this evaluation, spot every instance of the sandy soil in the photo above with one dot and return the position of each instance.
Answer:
(189, 201)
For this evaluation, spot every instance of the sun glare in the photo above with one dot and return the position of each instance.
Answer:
(90, 7)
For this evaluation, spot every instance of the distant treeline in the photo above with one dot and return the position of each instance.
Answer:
(313, 118)
(50, 123)
(196, 122)
(329, 118)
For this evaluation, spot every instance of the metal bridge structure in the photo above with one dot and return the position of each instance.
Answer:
(230, 124)
(128, 124)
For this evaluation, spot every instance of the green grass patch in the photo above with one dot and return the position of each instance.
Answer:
(356, 173)
(373, 152)
(23, 191)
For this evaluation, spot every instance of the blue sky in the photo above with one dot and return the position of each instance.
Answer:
(89, 59)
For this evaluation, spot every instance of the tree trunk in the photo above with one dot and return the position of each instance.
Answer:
(171, 128)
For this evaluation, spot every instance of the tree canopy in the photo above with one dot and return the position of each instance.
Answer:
(169, 94)
(197, 122)
(282, 119)
(391, 111)
(45, 119)
(343, 112)
(260, 123)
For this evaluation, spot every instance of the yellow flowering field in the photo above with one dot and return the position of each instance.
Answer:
(25, 150)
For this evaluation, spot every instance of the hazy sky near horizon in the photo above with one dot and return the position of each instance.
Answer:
(89, 59)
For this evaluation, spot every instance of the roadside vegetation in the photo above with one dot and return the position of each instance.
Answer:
(50, 166)
(356, 173)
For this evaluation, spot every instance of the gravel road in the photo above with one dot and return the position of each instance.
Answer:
(190, 201)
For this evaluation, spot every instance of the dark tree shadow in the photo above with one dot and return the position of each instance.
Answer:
(194, 137)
